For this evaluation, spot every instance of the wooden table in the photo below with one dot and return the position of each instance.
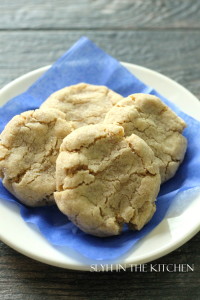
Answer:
(163, 35)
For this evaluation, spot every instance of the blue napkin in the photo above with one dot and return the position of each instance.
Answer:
(85, 62)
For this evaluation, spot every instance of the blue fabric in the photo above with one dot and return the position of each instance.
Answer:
(85, 62)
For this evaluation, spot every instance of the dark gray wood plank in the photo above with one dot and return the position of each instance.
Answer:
(99, 14)
(21, 52)
(23, 278)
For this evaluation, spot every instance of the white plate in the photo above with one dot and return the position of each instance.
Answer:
(170, 234)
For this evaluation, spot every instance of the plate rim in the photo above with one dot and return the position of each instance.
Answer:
(156, 254)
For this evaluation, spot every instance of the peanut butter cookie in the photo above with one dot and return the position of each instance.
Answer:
(29, 147)
(153, 121)
(105, 180)
(83, 103)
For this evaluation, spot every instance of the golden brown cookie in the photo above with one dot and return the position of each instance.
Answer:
(153, 121)
(105, 180)
(29, 147)
(83, 103)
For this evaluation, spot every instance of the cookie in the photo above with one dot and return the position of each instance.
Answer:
(153, 121)
(105, 180)
(83, 103)
(29, 147)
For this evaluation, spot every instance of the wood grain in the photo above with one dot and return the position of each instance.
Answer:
(21, 52)
(99, 14)
(23, 278)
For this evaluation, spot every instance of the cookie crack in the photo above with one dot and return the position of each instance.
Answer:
(78, 149)
(28, 182)
(154, 139)
(17, 179)
(71, 172)
(3, 145)
(141, 158)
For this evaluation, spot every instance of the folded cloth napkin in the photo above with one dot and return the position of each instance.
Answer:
(85, 62)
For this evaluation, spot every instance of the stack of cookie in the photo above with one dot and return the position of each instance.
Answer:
(100, 157)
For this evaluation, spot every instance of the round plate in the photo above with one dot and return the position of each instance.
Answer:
(170, 234)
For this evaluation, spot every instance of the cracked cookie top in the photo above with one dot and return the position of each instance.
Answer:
(148, 117)
(29, 147)
(105, 180)
(83, 103)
